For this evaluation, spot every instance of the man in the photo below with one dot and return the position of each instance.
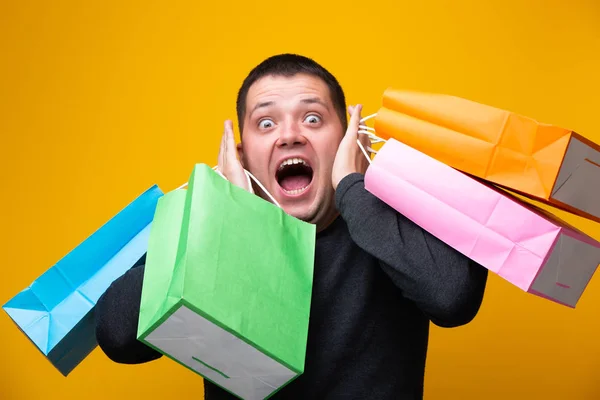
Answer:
(379, 279)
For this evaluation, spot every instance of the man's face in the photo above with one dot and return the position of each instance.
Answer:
(291, 134)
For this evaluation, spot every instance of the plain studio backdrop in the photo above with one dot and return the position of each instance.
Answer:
(100, 100)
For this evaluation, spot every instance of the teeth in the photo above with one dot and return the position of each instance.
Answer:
(295, 191)
(291, 161)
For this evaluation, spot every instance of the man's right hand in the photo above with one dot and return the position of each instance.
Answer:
(229, 165)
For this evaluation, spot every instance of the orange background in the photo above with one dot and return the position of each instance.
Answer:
(100, 99)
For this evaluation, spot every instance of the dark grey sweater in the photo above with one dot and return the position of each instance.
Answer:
(379, 281)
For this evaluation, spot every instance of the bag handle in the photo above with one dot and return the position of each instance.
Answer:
(363, 129)
(248, 176)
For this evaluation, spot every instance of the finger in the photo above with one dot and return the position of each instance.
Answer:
(225, 164)
(358, 110)
(354, 122)
(220, 156)
(220, 160)
(231, 153)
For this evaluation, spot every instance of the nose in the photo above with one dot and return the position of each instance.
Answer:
(291, 135)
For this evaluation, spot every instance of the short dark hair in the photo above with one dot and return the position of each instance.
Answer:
(289, 65)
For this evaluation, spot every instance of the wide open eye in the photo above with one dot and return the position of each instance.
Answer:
(312, 119)
(266, 123)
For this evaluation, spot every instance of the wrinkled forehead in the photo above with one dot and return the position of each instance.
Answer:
(287, 91)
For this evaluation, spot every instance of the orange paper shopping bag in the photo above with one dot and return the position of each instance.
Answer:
(541, 161)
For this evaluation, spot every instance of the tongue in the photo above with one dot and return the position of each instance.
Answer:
(295, 182)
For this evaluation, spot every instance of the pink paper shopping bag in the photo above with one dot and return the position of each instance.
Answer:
(526, 246)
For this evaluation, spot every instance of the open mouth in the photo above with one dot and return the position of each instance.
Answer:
(294, 176)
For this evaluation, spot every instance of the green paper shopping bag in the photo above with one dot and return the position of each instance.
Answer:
(227, 286)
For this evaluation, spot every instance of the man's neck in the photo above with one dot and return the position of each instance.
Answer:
(326, 223)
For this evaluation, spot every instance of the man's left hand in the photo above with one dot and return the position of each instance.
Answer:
(350, 158)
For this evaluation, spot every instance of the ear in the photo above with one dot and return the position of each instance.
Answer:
(240, 151)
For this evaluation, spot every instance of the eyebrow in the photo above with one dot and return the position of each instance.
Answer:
(311, 100)
(262, 105)
(314, 100)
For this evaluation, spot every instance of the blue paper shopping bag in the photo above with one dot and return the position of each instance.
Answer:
(56, 311)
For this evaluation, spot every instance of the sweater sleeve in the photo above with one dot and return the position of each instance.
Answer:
(446, 285)
(117, 313)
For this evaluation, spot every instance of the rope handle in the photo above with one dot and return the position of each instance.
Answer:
(248, 176)
(371, 133)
